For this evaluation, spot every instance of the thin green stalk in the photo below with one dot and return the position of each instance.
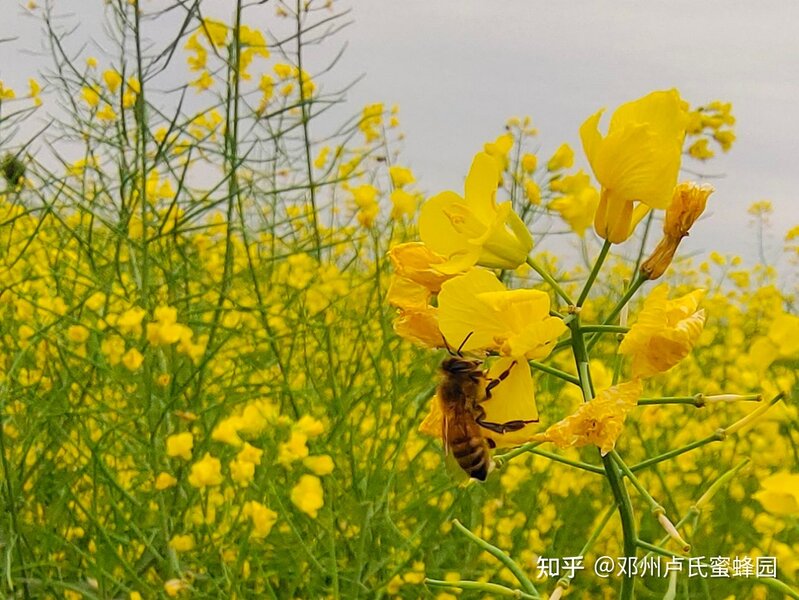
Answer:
(715, 437)
(567, 461)
(550, 280)
(506, 560)
(501, 459)
(657, 549)
(701, 400)
(639, 281)
(564, 581)
(594, 272)
(604, 329)
(642, 247)
(653, 504)
(305, 104)
(487, 588)
(620, 495)
(553, 371)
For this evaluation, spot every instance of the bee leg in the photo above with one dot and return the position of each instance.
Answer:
(505, 427)
(492, 383)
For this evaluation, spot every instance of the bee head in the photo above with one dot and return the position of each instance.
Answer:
(455, 365)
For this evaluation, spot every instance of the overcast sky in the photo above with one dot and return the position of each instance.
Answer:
(459, 68)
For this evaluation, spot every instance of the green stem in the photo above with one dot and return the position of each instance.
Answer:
(501, 459)
(715, 437)
(604, 329)
(488, 588)
(594, 272)
(653, 504)
(639, 281)
(567, 461)
(657, 549)
(564, 581)
(553, 371)
(781, 587)
(506, 560)
(620, 495)
(550, 280)
(701, 400)
(693, 400)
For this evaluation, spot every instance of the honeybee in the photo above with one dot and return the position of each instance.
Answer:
(464, 386)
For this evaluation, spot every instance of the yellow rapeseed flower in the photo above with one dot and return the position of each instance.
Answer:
(295, 448)
(309, 426)
(403, 204)
(263, 518)
(563, 158)
(781, 341)
(214, 31)
(173, 587)
(637, 161)
(112, 80)
(529, 163)
(401, 176)
(78, 333)
(578, 203)
(665, 332)
(598, 422)
(500, 149)
(91, 96)
(206, 472)
(779, 494)
(475, 229)
(319, 465)
(415, 261)
(164, 481)
(242, 472)
(250, 454)
(182, 543)
(180, 445)
(308, 495)
(132, 359)
(513, 322)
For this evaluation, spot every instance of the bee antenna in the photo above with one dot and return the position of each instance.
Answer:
(447, 346)
(463, 343)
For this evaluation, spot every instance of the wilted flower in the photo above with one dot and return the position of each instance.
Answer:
(665, 332)
(599, 421)
(687, 204)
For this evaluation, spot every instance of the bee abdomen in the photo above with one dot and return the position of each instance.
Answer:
(472, 456)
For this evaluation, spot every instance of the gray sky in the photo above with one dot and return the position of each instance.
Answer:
(459, 68)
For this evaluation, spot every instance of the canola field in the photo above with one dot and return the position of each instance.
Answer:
(223, 322)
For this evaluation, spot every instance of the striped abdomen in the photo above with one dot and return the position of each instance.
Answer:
(469, 447)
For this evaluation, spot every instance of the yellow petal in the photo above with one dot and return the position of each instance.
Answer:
(513, 399)
(600, 421)
(462, 312)
(481, 185)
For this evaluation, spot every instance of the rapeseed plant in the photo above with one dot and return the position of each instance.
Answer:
(201, 392)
